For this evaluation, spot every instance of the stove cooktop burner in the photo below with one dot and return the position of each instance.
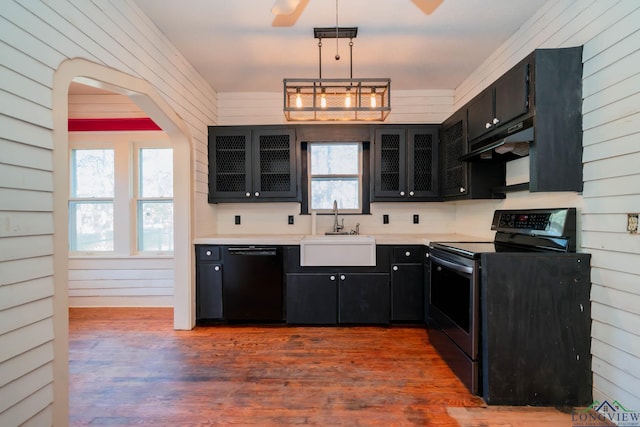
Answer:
(474, 249)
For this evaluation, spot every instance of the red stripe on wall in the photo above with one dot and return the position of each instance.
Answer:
(105, 125)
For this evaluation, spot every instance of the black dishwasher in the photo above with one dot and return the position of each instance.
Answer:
(252, 283)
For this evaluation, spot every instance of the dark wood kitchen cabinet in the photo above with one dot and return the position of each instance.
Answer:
(363, 298)
(536, 329)
(464, 180)
(337, 295)
(208, 283)
(503, 101)
(543, 121)
(405, 163)
(252, 164)
(407, 288)
(426, 283)
(453, 146)
(312, 298)
(345, 297)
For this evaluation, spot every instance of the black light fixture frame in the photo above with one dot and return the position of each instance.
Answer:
(377, 89)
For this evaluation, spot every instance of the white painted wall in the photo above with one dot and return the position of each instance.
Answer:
(35, 39)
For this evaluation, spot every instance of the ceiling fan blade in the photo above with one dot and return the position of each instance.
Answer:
(287, 19)
(284, 7)
(427, 6)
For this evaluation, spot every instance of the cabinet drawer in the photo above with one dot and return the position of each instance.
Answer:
(408, 254)
(208, 253)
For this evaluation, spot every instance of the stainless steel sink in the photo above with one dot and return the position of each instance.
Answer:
(334, 250)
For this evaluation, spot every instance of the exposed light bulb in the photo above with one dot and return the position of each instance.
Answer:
(298, 100)
(374, 101)
(323, 100)
(347, 98)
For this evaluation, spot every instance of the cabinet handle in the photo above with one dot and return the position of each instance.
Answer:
(332, 278)
(407, 253)
(487, 125)
(247, 194)
(257, 194)
(411, 193)
(395, 268)
(342, 277)
(462, 189)
(216, 268)
(427, 255)
(496, 120)
(208, 253)
(402, 193)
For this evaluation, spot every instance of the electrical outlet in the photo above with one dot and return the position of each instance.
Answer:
(632, 223)
(385, 219)
(290, 220)
(237, 219)
(416, 219)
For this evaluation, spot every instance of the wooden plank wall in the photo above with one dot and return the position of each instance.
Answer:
(35, 38)
(112, 105)
(120, 282)
(407, 106)
(610, 33)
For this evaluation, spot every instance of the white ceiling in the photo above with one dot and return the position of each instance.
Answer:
(233, 44)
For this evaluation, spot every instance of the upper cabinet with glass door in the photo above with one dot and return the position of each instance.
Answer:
(252, 164)
(405, 163)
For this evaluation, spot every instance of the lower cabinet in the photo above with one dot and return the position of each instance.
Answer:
(407, 293)
(330, 298)
(208, 283)
(312, 298)
(426, 285)
(407, 284)
(391, 291)
(363, 298)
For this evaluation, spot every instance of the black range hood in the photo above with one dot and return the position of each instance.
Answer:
(511, 143)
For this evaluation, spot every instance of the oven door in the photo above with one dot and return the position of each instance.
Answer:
(454, 299)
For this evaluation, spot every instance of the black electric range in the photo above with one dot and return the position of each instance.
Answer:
(530, 230)
(511, 317)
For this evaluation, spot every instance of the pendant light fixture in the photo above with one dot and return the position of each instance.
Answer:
(348, 99)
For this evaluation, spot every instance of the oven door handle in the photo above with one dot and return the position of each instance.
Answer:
(452, 265)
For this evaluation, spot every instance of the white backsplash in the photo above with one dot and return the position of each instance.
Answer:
(471, 217)
(272, 218)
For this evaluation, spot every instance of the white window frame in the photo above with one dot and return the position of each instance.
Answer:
(94, 145)
(126, 146)
(359, 176)
(137, 198)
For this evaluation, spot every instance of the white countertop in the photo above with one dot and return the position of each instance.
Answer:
(294, 239)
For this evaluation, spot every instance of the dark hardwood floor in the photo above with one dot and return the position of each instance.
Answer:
(128, 367)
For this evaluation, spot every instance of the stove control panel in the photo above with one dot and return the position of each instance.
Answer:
(559, 222)
(533, 221)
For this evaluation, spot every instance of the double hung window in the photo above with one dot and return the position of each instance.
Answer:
(121, 197)
(335, 173)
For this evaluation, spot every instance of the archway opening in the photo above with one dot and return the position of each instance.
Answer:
(146, 97)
